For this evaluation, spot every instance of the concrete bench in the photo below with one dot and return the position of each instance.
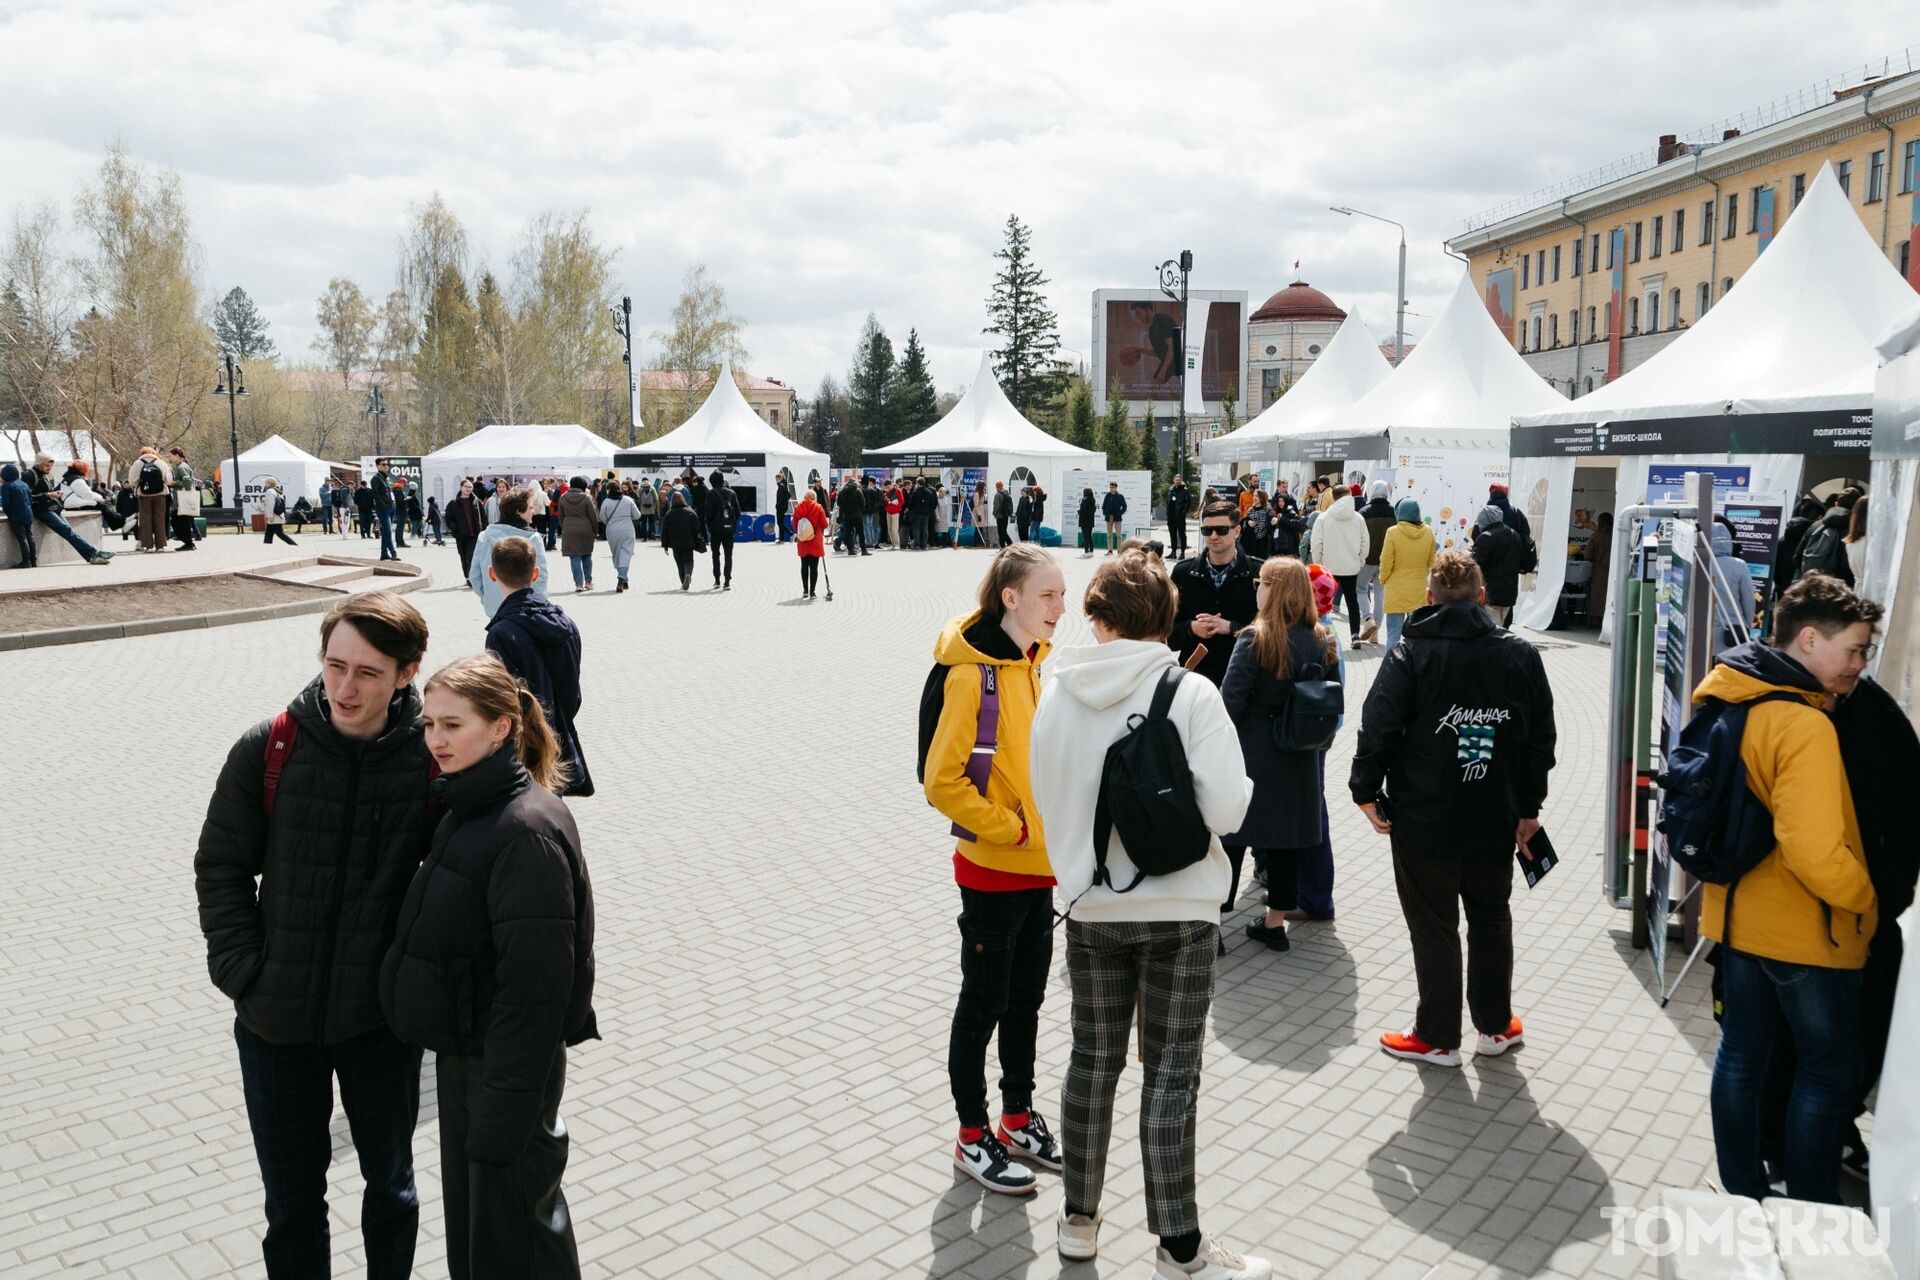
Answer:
(49, 546)
(1708, 1236)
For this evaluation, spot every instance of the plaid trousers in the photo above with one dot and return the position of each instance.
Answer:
(1168, 968)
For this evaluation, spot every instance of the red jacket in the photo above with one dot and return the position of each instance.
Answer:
(808, 509)
(896, 501)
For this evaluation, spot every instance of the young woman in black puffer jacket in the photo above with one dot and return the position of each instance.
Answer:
(492, 968)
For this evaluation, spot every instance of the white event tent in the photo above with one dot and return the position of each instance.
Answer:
(1782, 369)
(1436, 427)
(726, 435)
(298, 471)
(516, 452)
(984, 438)
(1348, 369)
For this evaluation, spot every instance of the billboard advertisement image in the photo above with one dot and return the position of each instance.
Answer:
(1143, 352)
(1499, 298)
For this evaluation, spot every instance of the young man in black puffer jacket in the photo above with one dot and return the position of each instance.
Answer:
(1217, 593)
(333, 830)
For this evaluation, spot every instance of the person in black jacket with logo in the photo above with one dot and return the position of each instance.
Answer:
(1456, 742)
(333, 837)
(1497, 550)
(1179, 503)
(492, 968)
(1217, 593)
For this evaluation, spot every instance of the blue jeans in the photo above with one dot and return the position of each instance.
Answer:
(289, 1094)
(1395, 621)
(384, 517)
(52, 518)
(1770, 1003)
(582, 569)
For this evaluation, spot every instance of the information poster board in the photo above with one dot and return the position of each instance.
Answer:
(1667, 482)
(1135, 486)
(1450, 485)
(1756, 538)
(1671, 682)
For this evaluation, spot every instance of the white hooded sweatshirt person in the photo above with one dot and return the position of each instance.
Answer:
(1089, 693)
(1340, 539)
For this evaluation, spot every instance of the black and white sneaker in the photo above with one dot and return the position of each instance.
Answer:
(1032, 1142)
(988, 1163)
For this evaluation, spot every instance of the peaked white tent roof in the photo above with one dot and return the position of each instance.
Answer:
(986, 419)
(1796, 335)
(277, 448)
(1350, 367)
(1462, 378)
(525, 447)
(726, 423)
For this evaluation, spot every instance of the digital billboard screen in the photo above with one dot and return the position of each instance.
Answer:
(1143, 350)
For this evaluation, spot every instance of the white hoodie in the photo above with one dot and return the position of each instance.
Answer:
(1088, 694)
(1340, 538)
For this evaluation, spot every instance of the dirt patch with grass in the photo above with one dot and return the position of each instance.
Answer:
(139, 602)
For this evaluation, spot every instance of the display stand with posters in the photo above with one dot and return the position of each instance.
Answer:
(1135, 486)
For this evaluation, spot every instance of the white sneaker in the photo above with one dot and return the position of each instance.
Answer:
(1079, 1235)
(988, 1163)
(1492, 1046)
(1214, 1262)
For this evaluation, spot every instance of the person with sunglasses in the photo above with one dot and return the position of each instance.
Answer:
(1217, 593)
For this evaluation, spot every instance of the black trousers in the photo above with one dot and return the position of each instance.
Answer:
(1436, 878)
(289, 1093)
(183, 530)
(504, 1220)
(1006, 951)
(1177, 538)
(809, 573)
(683, 560)
(1001, 522)
(1349, 584)
(717, 542)
(465, 546)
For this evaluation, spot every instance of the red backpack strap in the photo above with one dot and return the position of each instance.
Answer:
(282, 733)
(435, 805)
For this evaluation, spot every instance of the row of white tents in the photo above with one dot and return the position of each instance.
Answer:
(1781, 370)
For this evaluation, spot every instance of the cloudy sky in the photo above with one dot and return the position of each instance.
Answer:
(830, 159)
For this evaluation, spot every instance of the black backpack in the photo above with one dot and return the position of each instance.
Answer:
(153, 480)
(1529, 554)
(1310, 716)
(1146, 794)
(1823, 551)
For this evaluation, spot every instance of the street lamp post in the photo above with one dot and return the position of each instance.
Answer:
(1172, 270)
(623, 325)
(231, 388)
(1400, 299)
(376, 409)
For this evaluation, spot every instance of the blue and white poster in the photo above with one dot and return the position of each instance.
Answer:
(1667, 482)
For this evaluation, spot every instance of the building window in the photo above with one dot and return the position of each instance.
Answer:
(1520, 337)
(1592, 333)
(1536, 333)
(1653, 312)
(1659, 234)
(1844, 172)
(1526, 270)
(1553, 329)
(1726, 286)
(1906, 258)
(1753, 212)
(1573, 327)
(1876, 177)
(1608, 315)
(773, 416)
(1633, 316)
(1540, 268)
(1799, 189)
(1638, 228)
(1579, 246)
(1673, 316)
(1910, 167)
(1556, 263)
(1679, 229)
(1704, 300)
(1593, 258)
(1589, 384)
(1733, 217)
(1706, 222)
(1313, 348)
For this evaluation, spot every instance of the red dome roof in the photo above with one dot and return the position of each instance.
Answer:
(1299, 301)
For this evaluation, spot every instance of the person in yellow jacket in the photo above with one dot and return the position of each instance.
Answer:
(1000, 860)
(1406, 555)
(1794, 930)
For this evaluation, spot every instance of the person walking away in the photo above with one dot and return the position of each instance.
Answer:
(1793, 947)
(540, 513)
(186, 498)
(1113, 509)
(1152, 948)
(1088, 510)
(1496, 549)
(679, 536)
(1179, 503)
(1405, 557)
(1216, 594)
(579, 524)
(383, 507)
(1000, 858)
(150, 481)
(621, 517)
(16, 504)
(1285, 645)
(1511, 516)
(809, 540)
(853, 514)
(44, 501)
(541, 646)
(436, 522)
(1340, 543)
(723, 518)
(492, 968)
(1456, 742)
(326, 806)
(466, 518)
(1023, 514)
(1380, 517)
(1002, 512)
(646, 500)
(512, 523)
(272, 505)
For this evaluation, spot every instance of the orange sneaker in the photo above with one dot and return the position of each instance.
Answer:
(1405, 1044)
(1495, 1045)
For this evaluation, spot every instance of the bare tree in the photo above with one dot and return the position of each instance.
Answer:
(346, 327)
(704, 333)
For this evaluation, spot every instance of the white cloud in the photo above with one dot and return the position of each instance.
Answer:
(827, 160)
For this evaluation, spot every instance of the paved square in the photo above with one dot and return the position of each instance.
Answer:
(777, 965)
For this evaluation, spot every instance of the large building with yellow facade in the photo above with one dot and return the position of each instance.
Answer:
(1590, 284)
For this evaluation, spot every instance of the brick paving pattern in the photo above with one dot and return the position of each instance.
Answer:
(777, 965)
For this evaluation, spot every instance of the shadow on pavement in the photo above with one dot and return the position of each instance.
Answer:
(1482, 1172)
(961, 1237)
(1294, 1010)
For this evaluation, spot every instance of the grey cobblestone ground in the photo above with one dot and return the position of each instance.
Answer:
(777, 965)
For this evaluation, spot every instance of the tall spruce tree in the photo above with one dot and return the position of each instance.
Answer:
(239, 327)
(1083, 424)
(1150, 454)
(1029, 331)
(912, 401)
(1117, 435)
(868, 382)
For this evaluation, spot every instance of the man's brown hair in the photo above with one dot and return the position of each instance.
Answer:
(513, 562)
(1132, 596)
(384, 621)
(1454, 576)
(514, 503)
(1224, 509)
(1823, 602)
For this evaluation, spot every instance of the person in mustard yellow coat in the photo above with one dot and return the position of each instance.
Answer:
(1406, 555)
(1794, 930)
(1000, 858)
